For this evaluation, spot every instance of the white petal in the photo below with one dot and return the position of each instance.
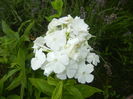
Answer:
(63, 59)
(39, 41)
(51, 56)
(71, 73)
(89, 78)
(71, 69)
(58, 67)
(35, 63)
(48, 69)
(56, 40)
(81, 79)
(89, 68)
(61, 76)
(40, 55)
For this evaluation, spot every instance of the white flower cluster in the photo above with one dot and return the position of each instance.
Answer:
(65, 50)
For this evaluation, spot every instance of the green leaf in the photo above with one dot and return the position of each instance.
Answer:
(57, 5)
(5, 77)
(22, 25)
(52, 16)
(57, 93)
(42, 85)
(70, 82)
(68, 97)
(13, 97)
(25, 36)
(52, 81)
(8, 31)
(9, 74)
(28, 29)
(74, 92)
(16, 82)
(87, 91)
(21, 57)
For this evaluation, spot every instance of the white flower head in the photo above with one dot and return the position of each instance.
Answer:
(65, 51)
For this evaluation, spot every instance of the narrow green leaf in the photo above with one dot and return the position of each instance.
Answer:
(74, 92)
(9, 74)
(22, 25)
(5, 77)
(15, 83)
(21, 57)
(87, 91)
(25, 36)
(57, 93)
(42, 85)
(28, 29)
(8, 31)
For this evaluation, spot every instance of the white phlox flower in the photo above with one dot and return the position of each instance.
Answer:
(70, 70)
(56, 40)
(56, 62)
(38, 60)
(39, 44)
(93, 58)
(65, 51)
(84, 72)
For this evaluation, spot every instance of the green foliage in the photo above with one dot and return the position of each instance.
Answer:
(42, 85)
(74, 92)
(18, 61)
(87, 91)
(57, 93)
(57, 5)
(13, 97)
(9, 33)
